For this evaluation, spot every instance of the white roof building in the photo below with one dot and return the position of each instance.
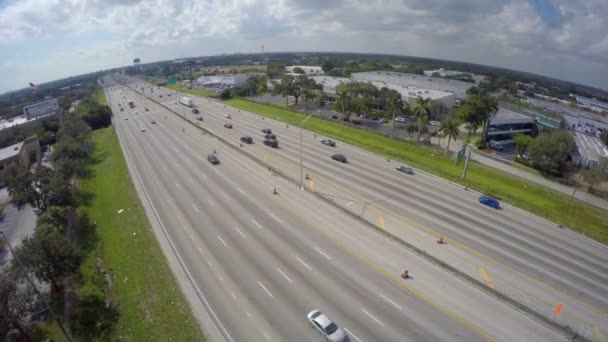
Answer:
(458, 88)
(308, 69)
(408, 92)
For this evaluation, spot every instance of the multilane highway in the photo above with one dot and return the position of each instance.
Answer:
(518, 253)
(262, 261)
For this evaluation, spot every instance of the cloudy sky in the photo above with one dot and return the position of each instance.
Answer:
(42, 40)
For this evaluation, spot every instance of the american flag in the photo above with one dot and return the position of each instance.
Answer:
(33, 87)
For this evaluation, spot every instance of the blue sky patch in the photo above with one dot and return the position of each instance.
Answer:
(546, 10)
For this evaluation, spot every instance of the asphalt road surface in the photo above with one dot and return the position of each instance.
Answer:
(263, 260)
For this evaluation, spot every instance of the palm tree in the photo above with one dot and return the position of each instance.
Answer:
(421, 108)
(343, 102)
(394, 106)
(449, 128)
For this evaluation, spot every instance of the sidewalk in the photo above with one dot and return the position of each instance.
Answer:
(567, 190)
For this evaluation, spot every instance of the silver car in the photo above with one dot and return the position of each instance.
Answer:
(326, 327)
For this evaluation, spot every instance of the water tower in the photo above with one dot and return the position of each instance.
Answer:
(136, 61)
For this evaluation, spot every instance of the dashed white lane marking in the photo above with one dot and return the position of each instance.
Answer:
(284, 275)
(185, 228)
(241, 191)
(265, 289)
(226, 196)
(248, 313)
(190, 180)
(210, 202)
(177, 186)
(267, 337)
(204, 175)
(349, 204)
(240, 232)
(233, 295)
(200, 158)
(222, 240)
(220, 278)
(275, 218)
(372, 317)
(303, 263)
(390, 301)
(195, 208)
(352, 335)
(257, 224)
(323, 253)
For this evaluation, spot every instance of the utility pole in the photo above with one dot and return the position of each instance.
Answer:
(578, 179)
(68, 336)
(301, 154)
(466, 166)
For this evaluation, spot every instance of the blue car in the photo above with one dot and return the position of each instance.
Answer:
(489, 201)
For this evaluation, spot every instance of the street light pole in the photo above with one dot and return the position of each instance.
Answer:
(301, 154)
(68, 336)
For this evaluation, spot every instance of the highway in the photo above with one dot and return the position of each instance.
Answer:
(552, 266)
(264, 260)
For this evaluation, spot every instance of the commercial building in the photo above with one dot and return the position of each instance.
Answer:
(589, 149)
(505, 124)
(225, 80)
(308, 69)
(458, 88)
(23, 153)
(592, 104)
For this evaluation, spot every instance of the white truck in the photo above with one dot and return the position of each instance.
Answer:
(186, 101)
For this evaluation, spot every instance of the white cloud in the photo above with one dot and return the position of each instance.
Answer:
(102, 33)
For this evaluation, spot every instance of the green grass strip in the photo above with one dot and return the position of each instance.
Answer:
(544, 202)
(100, 96)
(151, 304)
(198, 92)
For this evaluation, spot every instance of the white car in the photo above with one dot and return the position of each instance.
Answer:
(126, 118)
(325, 326)
(142, 128)
(227, 116)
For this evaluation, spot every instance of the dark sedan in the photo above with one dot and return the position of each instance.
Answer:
(406, 169)
(213, 159)
(339, 157)
(328, 142)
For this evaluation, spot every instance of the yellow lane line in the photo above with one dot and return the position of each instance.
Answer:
(466, 248)
(485, 276)
(395, 280)
(599, 333)
(381, 218)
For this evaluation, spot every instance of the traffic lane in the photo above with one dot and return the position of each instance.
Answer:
(463, 201)
(432, 182)
(298, 244)
(499, 231)
(238, 271)
(327, 300)
(301, 253)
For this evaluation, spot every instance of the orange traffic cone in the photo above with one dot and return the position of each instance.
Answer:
(405, 275)
(441, 241)
(275, 192)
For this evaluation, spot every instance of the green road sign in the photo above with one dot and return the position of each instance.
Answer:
(171, 81)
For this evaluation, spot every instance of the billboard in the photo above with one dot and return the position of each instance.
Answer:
(40, 109)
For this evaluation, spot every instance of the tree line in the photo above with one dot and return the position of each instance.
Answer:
(62, 235)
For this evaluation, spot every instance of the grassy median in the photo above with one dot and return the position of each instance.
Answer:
(150, 302)
(529, 196)
(100, 96)
(198, 92)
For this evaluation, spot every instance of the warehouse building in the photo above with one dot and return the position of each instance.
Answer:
(225, 80)
(308, 70)
(505, 124)
(458, 88)
(408, 92)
